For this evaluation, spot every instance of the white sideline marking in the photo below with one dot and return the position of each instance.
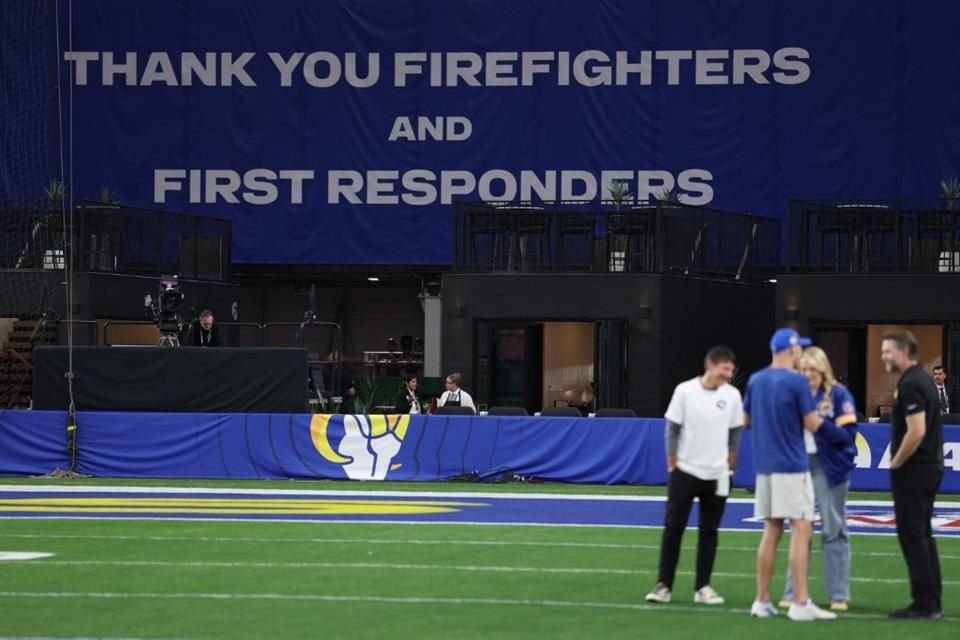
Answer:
(410, 600)
(420, 523)
(411, 541)
(20, 556)
(380, 494)
(419, 567)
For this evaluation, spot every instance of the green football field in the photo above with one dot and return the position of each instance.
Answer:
(192, 580)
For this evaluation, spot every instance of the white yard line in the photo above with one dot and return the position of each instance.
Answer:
(394, 566)
(420, 523)
(408, 541)
(411, 600)
(943, 503)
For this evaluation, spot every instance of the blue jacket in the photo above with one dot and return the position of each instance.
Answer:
(836, 438)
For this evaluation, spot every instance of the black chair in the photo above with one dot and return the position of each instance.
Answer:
(632, 240)
(950, 418)
(861, 417)
(507, 411)
(885, 419)
(455, 411)
(530, 245)
(840, 227)
(615, 413)
(575, 235)
(560, 412)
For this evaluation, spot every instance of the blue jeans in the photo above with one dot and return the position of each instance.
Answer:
(835, 543)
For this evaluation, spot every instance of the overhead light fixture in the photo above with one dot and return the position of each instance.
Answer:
(772, 281)
(373, 279)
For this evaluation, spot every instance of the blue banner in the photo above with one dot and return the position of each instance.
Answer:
(339, 132)
(583, 450)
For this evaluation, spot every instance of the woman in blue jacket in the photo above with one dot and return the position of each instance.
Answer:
(830, 466)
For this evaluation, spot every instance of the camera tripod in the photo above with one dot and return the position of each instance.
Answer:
(168, 340)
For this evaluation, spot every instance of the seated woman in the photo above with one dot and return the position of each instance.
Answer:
(407, 401)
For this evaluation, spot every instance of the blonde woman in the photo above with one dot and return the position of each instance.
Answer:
(830, 466)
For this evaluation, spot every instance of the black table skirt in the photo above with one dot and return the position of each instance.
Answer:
(190, 379)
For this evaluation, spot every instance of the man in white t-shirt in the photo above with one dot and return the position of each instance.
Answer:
(703, 433)
(454, 396)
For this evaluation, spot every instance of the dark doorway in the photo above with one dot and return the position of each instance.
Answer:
(846, 347)
(610, 364)
(510, 364)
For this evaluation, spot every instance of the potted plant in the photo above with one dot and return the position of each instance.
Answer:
(53, 249)
(619, 192)
(951, 191)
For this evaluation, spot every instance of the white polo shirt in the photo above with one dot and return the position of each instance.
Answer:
(706, 417)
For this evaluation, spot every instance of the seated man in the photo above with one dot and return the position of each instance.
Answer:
(454, 396)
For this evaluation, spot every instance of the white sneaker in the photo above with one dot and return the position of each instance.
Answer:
(707, 595)
(660, 593)
(763, 609)
(809, 611)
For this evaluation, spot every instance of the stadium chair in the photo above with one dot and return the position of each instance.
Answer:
(615, 413)
(455, 411)
(560, 412)
(507, 411)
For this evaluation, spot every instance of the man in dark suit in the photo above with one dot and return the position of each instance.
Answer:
(205, 332)
(948, 401)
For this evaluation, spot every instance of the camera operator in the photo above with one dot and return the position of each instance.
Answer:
(205, 332)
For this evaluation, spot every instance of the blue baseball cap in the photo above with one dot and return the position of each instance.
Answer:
(784, 339)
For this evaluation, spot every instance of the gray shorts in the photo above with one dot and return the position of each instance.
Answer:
(784, 496)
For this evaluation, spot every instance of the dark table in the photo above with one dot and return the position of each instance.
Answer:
(191, 379)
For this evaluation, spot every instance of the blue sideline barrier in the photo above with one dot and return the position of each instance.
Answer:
(586, 450)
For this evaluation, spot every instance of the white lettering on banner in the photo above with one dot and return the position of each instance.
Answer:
(673, 59)
(421, 187)
(742, 69)
(159, 69)
(405, 64)
(790, 59)
(324, 69)
(951, 456)
(210, 186)
(452, 128)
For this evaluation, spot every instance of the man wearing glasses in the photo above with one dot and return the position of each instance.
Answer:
(454, 396)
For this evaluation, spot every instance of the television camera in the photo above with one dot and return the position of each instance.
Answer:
(164, 310)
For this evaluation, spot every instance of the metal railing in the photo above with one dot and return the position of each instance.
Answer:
(597, 236)
(873, 236)
(86, 333)
(119, 239)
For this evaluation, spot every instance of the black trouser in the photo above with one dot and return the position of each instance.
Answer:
(914, 490)
(682, 488)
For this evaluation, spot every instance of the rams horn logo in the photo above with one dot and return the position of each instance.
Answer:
(864, 459)
(368, 446)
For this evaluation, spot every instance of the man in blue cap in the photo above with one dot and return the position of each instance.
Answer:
(778, 406)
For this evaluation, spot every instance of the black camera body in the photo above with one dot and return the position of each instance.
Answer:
(165, 310)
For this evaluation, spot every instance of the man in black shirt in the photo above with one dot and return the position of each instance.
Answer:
(916, 468)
